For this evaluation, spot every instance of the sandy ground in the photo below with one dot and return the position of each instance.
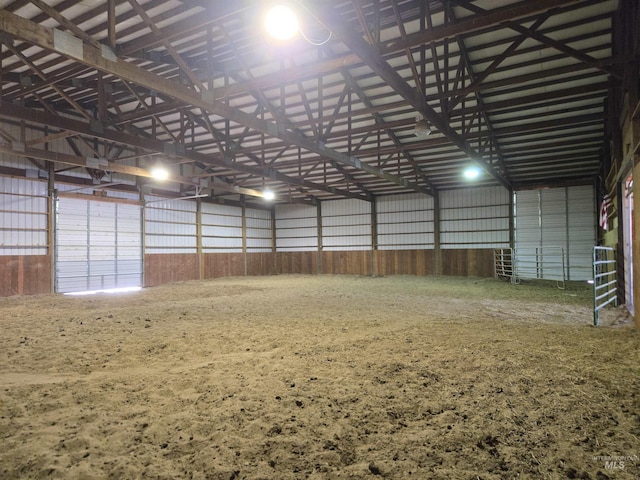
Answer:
(323, 377)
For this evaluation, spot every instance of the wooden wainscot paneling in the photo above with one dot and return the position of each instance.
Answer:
(405, 262)
(260, 263)
(25, 275)
(216, 265)
(468, 262)
(351, 262)
(170, 267)
(296, 263)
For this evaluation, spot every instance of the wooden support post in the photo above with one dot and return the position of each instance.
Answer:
(51, 223)
(199, 238)
(273, 241)
(436, 234)
(320, 247)
(244, 232)
(374, 236)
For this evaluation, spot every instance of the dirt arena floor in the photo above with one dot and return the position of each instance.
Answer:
(319, 377)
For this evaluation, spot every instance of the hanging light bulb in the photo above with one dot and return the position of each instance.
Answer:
(472, 173)
(268, 194)
(160, 173)
(281, 22)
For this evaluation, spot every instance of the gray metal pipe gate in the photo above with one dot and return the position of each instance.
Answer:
(514, 264)
(535, 263)
(604, 280)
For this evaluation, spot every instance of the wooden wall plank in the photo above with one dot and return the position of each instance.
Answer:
(29, 275)
(473, 262)
(218, 265)
(260, 263)
(296, 263)
(351, 262)
(405, 262)
(25, 275)
(168, 268)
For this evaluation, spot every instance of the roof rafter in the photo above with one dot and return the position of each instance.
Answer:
(109, 63)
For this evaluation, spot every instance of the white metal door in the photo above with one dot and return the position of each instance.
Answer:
(98, 245)
(555, 232)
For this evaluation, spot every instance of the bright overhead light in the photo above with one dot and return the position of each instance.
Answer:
(268, 194)
(472, 173)
(281, 22)
(159, 173)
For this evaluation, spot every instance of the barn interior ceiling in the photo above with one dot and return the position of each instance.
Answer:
(371, 97)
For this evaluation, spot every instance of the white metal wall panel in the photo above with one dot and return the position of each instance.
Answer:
(98, 245)
(474, 218)
(405, 222)
(527, 219)
(23, 217)
(551, 220)
(170, 226)
(221, 228)
(296, 228)
(581, 206)
(129, 245)
(346, 225)
(258, 230)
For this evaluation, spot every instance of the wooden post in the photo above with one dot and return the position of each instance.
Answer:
(51, 227)
(274, 252)
(199, 238)
(319, 225)
(374, 236)
(244, 233)
(436, 234)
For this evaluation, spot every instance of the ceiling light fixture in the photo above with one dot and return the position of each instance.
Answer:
(422, 128)
(268, 194)
(281, 22)
(472, 173)
(159, 173)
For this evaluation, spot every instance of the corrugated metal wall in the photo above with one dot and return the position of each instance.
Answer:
(405, 222)
(221, 228)
(259, 230)
(474, 218)
(296, 228)
(346, 225)
(581, 218)
(170, 226)
(97, 238)
(23, 217)
(556, 220)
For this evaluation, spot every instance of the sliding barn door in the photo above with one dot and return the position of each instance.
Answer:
(98, 245)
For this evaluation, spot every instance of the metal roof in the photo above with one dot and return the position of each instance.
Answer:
(516, 87)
